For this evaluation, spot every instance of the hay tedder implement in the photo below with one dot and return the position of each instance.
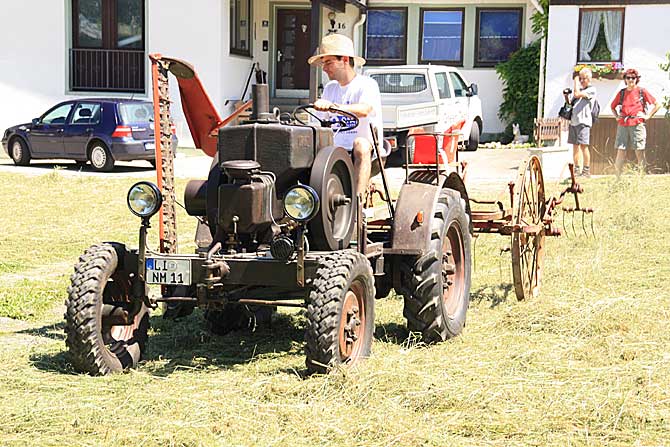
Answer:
(279, 224)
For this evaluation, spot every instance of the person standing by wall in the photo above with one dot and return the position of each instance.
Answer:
(629, 107)
(579, 134)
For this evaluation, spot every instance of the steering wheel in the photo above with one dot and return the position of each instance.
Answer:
(344, 122)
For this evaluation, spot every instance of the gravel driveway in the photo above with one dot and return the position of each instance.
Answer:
(484, 166)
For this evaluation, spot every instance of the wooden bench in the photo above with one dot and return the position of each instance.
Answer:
(549, 129)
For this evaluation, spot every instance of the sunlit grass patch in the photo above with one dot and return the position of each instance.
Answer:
(586, 363)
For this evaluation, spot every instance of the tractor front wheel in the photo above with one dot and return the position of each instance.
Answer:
(340, 312)
(105, 327)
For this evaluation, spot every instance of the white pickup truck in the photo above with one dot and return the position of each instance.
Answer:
(429, 96)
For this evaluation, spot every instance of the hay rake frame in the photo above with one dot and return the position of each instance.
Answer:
(528, 221)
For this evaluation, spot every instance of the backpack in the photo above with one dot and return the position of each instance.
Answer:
(595, 110)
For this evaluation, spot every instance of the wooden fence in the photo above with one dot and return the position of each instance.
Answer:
(603, 151)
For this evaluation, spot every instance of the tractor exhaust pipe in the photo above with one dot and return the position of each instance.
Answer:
(261, 106)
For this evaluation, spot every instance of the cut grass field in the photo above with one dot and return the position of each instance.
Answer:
(585, 364)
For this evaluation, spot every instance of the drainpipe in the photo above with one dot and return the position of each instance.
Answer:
(357, 27)
(543, 51)
(314, 38)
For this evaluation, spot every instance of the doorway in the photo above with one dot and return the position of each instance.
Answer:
(293, 39)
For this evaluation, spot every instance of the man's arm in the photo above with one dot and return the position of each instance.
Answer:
(361, 110)
(577, 91)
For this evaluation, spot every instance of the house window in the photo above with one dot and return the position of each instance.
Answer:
(107, 51)
(600, 35)
(240, 27)
(498, 35)
(442, 36)
(386, 36)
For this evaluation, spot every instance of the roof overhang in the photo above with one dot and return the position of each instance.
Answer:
(339, 5)
(607, 2)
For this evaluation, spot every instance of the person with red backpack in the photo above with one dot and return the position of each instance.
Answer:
(630, 109)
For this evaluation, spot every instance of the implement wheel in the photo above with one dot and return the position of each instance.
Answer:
(340, 312)
(528, 241)
(105, 328)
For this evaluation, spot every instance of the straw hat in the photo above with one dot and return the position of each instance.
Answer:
(335, 45)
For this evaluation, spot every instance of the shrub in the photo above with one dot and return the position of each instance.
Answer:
(520, 76)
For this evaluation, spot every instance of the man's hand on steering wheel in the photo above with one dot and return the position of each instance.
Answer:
(345, 122)
(323, 105)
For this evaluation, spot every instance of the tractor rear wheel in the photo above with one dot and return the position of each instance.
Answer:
(105, 328)
(340, 312)
(436, 286)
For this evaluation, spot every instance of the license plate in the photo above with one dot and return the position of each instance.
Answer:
(168, 271)
(149, 146)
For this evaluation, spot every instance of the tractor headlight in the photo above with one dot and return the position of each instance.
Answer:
(301, 203)
(144, 199)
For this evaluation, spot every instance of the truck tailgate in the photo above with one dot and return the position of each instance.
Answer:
(405, 116)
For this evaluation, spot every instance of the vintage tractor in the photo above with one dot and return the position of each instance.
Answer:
(280, 225)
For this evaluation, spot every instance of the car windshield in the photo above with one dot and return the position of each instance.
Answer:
(138, 112)
(403, 87)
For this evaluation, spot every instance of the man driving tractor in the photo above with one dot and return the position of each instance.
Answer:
(353, 93)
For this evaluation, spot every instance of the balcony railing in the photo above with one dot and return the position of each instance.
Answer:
(107, 70)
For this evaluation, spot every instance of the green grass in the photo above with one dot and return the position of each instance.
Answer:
(585, 364)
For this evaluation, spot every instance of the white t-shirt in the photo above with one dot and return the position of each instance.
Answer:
(361, 89)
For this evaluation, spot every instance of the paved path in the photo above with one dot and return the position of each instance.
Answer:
(484, 166)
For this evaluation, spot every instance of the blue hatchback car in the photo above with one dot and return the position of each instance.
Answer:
(99, 131)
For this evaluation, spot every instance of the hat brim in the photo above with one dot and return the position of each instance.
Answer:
(316, 60)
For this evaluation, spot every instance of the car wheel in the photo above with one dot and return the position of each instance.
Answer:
(19, 152)
(473, 141)
(100, 158)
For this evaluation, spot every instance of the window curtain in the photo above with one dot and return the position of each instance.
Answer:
(613, 29)
(590, 28)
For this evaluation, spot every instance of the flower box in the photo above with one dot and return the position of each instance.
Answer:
(614, 75)
(610, 70)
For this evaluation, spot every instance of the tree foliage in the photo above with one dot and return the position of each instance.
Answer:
(520, 76)
(540, 21)
(666, 99)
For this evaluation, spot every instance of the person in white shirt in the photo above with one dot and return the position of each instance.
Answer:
(353, 93)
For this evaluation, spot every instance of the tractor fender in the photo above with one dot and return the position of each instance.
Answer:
(414, 210)
(455, 182)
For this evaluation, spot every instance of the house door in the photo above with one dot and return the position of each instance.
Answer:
(293, 33)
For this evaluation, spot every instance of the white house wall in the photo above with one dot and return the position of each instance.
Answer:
(33, 51)
(646, 37)
(34, 55)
